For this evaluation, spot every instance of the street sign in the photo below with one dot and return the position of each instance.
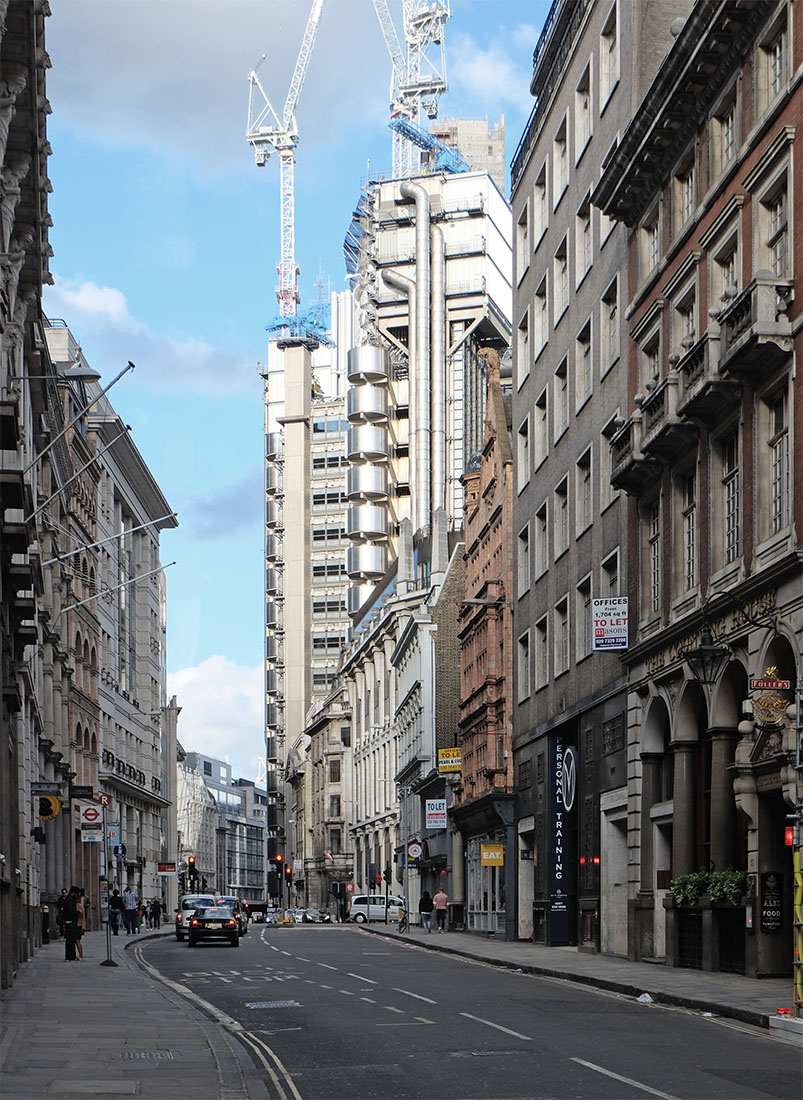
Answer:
(770, 685)
(119, 851)
(91, 815)
(46, 788)
(415, 850)
(49, 807)
(492, 855)
(81, 792)
(436, 813)
(449, 760)
(112, 835)
(609, 618)
(105, 800)
(165, 868)
(91, 835)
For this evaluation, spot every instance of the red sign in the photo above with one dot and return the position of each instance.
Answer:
(770, 685)
(349, 887)
(105, 800)
(166, 868)
(91, 815)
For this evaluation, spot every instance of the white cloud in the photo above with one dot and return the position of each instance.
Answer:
(489, 80)
(100, 320)
(222, 712)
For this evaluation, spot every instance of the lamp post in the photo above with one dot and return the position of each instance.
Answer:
(707, 660)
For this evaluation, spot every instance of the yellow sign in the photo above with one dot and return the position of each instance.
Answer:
(49, 807)
(492, 855)
(449, 760)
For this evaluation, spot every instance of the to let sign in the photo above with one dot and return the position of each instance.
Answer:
(436, 813)
(609, 623)
(449, 760)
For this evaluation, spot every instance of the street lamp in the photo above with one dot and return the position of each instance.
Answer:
(76, 372)
(707, 660)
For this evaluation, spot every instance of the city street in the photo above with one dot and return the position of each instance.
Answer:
(335, 1011)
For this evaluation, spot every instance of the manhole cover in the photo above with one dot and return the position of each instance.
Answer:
(154, 1054)
(272, 1004)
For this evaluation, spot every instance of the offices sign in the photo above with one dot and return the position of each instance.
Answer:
(609, 619)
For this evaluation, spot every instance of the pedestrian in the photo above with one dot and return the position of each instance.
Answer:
(425, 907)
(440, 901)
(130, 914)
(145, 914)
(156, 913)
(116, 909)
(70, 923)
(60, 911)
(80, 920)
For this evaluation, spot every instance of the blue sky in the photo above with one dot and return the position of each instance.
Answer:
(166, 239)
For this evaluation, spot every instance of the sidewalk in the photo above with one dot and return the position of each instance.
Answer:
(751, 1000)
(71, 1030)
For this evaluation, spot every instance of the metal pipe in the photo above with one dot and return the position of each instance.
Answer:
(421, 488)
(438, 353)
(408, 287)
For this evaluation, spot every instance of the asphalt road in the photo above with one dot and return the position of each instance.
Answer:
(332, 1011)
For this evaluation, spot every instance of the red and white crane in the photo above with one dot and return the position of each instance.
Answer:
(269, 133)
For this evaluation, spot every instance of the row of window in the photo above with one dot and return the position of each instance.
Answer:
(546, 651)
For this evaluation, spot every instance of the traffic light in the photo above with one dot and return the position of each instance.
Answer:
(288, 875)
(387, 874)
(191, 869)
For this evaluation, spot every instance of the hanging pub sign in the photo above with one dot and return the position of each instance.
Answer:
(562, 801)
(609, 621)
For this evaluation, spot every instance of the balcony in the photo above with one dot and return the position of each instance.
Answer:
(367, 483)
(367, 521)
(665, 435)
(274, 615)
(631, 469)
(273, 649)
(367, 443)
(272, 750)
(704, 396)
(366, 562)
(756, 336)
(273, 513)
(273, 548)
(367, 404)
(273, 582)
(273, 480)
(368, 364)
(274, 447)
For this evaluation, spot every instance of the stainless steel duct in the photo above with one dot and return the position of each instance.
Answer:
(438, 398)
(423, 464)
(408, 287)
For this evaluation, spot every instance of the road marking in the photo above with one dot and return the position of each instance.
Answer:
(247, 979)
(328, 967)
(626, 1080)
(498, 1027)
(237, 973)
(377, 952)
(309, 981)
(298, 957)
(287, 953)
(370, 1000)
(228, 981)
(424, 1020)
(360, 978)
(390, 1008)
(347, 992)
(323, 986)
(417, 996)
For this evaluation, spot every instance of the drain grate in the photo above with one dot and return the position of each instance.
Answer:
(154, 1055)
(273, 1004)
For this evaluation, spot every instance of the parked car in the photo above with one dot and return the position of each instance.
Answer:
(298, 915)
(364, 908)
(217, 922)
(271, 916)
(236, 907)
(187, 905)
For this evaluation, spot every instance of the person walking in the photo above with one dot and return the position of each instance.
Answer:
(130, 911)
(70, 923)
(156, 913)
(80, 920)
(60, 911)
(116, 909)
(440, 901)
(425, 907)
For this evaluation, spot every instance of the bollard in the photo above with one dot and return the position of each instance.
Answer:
(45, 924)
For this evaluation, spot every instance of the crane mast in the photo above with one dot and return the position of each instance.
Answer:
(418, 79)
(269, 133)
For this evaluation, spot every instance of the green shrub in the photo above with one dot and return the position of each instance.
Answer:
(726, 885)
(688, 889)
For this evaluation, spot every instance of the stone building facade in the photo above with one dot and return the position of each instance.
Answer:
(709, 454)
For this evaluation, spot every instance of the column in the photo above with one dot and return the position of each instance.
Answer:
(650, 780)
(683, 798)
(723, 802)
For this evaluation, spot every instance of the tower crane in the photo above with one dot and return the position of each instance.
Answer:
(269, 133)
(418, 79)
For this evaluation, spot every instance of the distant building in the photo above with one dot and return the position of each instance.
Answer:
(482, 146)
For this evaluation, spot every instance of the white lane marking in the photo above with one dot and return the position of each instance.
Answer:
(235, 972)
(347, 992)
(417, 996)
(328, 967)
(390, 1008)
(247, 979)
(625, 1080)
(298, 957)
(309, 981)
(404, 1023)
(227, 980)
(424, 1020)
(287, 953)
(377, 952)
(322, 986)
(360, 978)
(370, 1000)
(507, 1031)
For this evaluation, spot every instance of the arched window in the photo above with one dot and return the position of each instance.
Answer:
(86, 740)
(78, 645)
(78, 736)
(92, 579)
(93, 660)
(94, 745)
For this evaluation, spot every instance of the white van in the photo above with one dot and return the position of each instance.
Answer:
(364, 908)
